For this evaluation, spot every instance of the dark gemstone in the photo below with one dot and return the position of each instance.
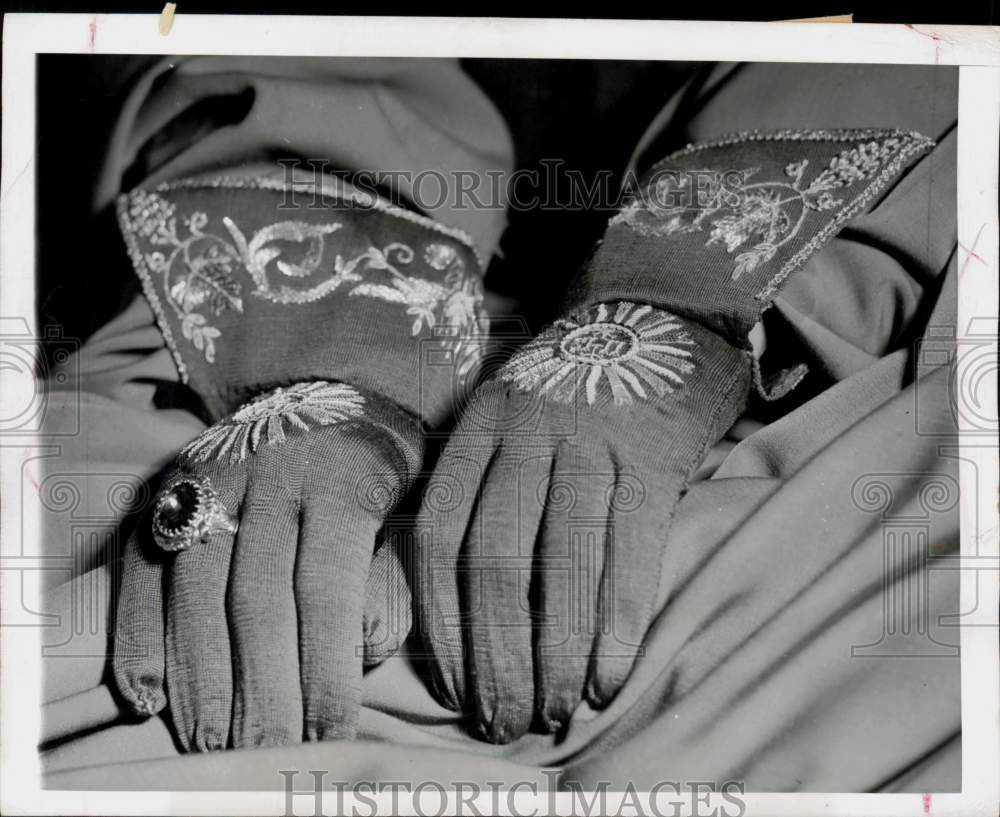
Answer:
(178, 507)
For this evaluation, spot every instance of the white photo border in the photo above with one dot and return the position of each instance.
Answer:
(975, 49)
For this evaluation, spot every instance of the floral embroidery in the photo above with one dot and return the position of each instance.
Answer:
(440, 256)
(262, 420)
(454, 302)
(197, 272)
(452, 310)
(734, 210)
(203, 279)
(627, 346)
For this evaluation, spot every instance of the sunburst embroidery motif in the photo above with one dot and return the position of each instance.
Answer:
(262, 420)
(629, 349)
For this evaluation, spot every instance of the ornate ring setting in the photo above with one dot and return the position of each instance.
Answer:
(187, 511)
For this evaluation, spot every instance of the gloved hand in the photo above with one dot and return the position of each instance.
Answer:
(308, 342)
(263, 626)
(536, 590)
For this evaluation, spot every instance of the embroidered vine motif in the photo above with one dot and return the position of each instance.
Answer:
(452, 310)
(428, 302)
(262, 420)
(735, 210)
(623, 347)
(198, 271)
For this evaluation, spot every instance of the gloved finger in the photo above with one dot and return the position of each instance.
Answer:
(568, 574)
(199, 663)
(496, 571)
(388, 616)
(138, 660)
(633, 560)
(447, 506)
(267, 698)
(336, 541)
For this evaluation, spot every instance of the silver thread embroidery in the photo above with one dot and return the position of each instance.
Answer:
(261, 250)
(262, 420)
(454, 305)
(202, 281)
(452, 311)
(199, 271)
(625, 348)
(329, 187)
(737, 211)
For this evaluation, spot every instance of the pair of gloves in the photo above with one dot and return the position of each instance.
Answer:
(535, 584)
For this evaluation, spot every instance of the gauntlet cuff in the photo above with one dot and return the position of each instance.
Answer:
(718, 227)
(256, 284)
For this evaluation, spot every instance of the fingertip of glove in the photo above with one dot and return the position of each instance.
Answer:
(554, 713)
(607, 676)
(444, 693)
(600, 692)
(549, 724)
(380, 646)
(502, 727)
(209, 740)
(320, 732)
(492, 733)
(499, 734)
(142, 692)
(444, 676)
(146, 699)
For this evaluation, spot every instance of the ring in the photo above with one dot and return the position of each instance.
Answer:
(187, 511)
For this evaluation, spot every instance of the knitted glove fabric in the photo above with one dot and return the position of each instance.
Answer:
(536, 589)
(259, 634)
(307, 334)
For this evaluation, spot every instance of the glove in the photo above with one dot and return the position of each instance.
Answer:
(243, 599)
(262, 628)
(535, 590)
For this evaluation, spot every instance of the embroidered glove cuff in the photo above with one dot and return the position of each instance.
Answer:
(255, 285)
(718, 227)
